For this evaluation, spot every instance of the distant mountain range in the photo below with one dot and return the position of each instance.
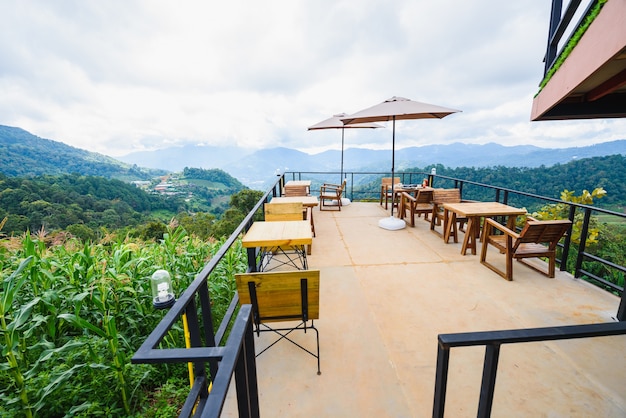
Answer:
(24, 154)
(256, 168)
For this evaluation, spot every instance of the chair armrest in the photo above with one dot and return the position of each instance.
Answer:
(337, 186)
(407, 196)
(490, 223)
(330, 188)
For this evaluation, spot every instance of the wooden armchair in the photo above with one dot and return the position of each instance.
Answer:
(422, 203)
(385, 189)
(537, 239)
(331, 193)
(282, 297)
(441, 196)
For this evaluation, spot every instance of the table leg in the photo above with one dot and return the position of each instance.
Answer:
(312, 224)
(510, 223)
(252, 260)
(446, 225)
(470, 235)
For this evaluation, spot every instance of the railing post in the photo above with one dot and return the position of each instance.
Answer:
(490, 371)
(441, 380)
(568, 239)
(621, 311)
(207, 322)
(199, 368)
(245, 376)
(583, 242)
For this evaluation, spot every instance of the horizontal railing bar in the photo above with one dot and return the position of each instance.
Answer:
(180, 355)
(607, 262)
(531, 334)
(601, 280)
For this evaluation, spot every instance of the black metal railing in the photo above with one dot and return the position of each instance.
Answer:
(560, 26)
(233, 358)
(493, 340)
(364, 186)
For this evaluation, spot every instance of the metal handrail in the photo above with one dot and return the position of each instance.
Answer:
(235, 357)
(559, 22)
(492, 340)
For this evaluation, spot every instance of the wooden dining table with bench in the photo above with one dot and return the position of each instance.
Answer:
(474, 211)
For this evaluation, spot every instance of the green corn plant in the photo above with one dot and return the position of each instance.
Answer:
(103, 300)
(10, 323)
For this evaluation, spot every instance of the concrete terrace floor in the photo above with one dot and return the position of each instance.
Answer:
(384, 298)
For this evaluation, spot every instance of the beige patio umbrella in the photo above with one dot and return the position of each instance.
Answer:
(398, 108)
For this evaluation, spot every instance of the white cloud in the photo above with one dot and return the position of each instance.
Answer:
(119, 76)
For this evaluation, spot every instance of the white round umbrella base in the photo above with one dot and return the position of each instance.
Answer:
(345, 201)
(391, 223)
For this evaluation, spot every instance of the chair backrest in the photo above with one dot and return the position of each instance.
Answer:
(424, 196)
(386, 181)
(282, 295)
(543, 232)
(283, 211)
(296, 191)
(447, 195)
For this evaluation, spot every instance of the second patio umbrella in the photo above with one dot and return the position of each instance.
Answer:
(392, 109)
(336, 123)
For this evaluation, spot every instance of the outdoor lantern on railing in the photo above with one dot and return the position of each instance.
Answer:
(162, 290)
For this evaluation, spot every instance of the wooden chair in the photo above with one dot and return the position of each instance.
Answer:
(283, 297)
(422, 203)
(441, 196)
(385, 189)
(331, 193)
(537, 239)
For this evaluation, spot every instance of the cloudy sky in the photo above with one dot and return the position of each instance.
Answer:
(119, 76)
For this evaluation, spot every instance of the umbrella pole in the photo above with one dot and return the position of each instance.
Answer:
(341, 175)
(391, 223)
(393, 162)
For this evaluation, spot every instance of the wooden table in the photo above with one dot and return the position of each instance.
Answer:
(307, 201)
(278, 237)
(300, 183)
(473, 211)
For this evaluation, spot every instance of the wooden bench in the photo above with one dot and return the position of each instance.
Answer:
(282, 297)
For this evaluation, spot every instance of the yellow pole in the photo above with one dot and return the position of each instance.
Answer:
(188, 345)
